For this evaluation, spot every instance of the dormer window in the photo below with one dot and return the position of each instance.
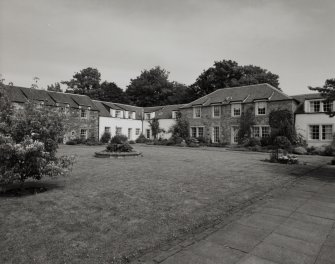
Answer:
(236, 109)
(83, 113)
(216, 110)
(261, 108)
(133, 115)
(197, 112)
(147, 116)
(327, 106)
(118, 113)
(315, 106)
(174, 114)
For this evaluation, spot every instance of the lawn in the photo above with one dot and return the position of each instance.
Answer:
(112, 209)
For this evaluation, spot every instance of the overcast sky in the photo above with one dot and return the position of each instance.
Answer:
(54, 39)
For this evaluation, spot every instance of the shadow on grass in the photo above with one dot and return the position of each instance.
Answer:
(28, 188)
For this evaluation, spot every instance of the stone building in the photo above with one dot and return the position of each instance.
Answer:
(217, 116)
(81, 115)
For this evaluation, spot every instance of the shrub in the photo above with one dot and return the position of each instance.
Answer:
(251, 142)
(124, 147)
(92, 142)
(328, 151)
(119, 139)
(282, 124)
(266, 141)
(201, 140)
(282, 142)
(105, 138)
(177, 140)
(141, 139)
(132, 142)
(181, 128)
(299, 150)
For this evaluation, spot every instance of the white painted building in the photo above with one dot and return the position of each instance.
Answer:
(312, 122)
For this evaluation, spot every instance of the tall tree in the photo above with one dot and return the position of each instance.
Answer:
(152, 87)
(87, 79)
(112, 93)
(54, 87)
(328, 92)
(228, 73)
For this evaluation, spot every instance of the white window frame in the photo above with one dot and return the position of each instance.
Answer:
(260, 131)
(130, 132)
(216, 137)
(213, 111)
(148, 133)
(195, 112)
(147, 116)
(234, 134)
(174, 114)
(118, 130)
(257, 108)
(197, 130)
(83, 113)
(107, 129)
(233, 107)
(309, 132)
(137, 131)
(118, 113)
(83, 133)
(321, 108)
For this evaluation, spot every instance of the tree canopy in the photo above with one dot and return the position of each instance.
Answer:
(87, 82)
(328, 92)
(228, 73)
(54, 87)
(152, 87)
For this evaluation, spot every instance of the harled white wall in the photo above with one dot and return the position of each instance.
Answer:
(114, 122)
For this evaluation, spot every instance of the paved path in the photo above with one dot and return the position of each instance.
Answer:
(295, 225)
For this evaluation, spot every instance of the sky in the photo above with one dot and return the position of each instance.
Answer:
(54, 39)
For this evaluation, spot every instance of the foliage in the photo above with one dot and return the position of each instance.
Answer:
(6, 111)
(228, 73)
(152, 88)
(87, 82)
(282, 142)
(328, 92)
(247, 121)
(28, 143)
(34, 85)
(119, 139)
(106, 136)
(284, 159)
(123, 147)
(141, 139)
(252, 142)
(281, 122)
(54, 87)
(180, 128)
(266, 141)
(154, 125)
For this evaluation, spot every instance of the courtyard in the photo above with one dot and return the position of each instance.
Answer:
(114, 210)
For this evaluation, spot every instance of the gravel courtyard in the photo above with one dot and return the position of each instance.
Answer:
(111, 210)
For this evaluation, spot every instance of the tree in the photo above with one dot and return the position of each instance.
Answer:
(247, 121)
(228, 73)
(28, 143)
(181, 128)
(54, 87)
(110, 92)
(87, 79)
(153, 88)
(281, 122)
(154, 125)
(328, 92)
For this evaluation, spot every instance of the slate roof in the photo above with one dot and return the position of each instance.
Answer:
(103, 111)
(166, 111)
(246, 94)
(37, 95)
(63, 99)
(15, 94)
(83, 100)
(301, 98)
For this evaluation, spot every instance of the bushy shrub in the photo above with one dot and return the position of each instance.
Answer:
(282, 142)
(201, 140)
(92, 142)
(132, 142)
(299, 150)
(141, 139)
(177, 140)
(119, 139)
(328, 151)
(123, 147)
(266, 141)
(105, 138)
(251, 142)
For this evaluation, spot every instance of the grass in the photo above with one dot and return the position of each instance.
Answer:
(112, 209)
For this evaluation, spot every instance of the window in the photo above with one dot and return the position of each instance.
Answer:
(216, 111)
(236, 110)
(260, 108)
(107, 129)
(197, 132)
(118, 113)
(147, 116)
(200, 132)
(118, 131)
(256, 132)
(197, 112)
(315, 106)
(327, 106)
(235, 130)
(216, 134)
(261, 131)
(193, 132)
(174, 114)
(129, 133)
(133, 116)
(314, 132)
(148, 133)
(137, 132)
(327, 132)
(83, 133)
(73, 133)
(83, 113)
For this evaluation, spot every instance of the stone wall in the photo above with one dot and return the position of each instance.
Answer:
(226, 121)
